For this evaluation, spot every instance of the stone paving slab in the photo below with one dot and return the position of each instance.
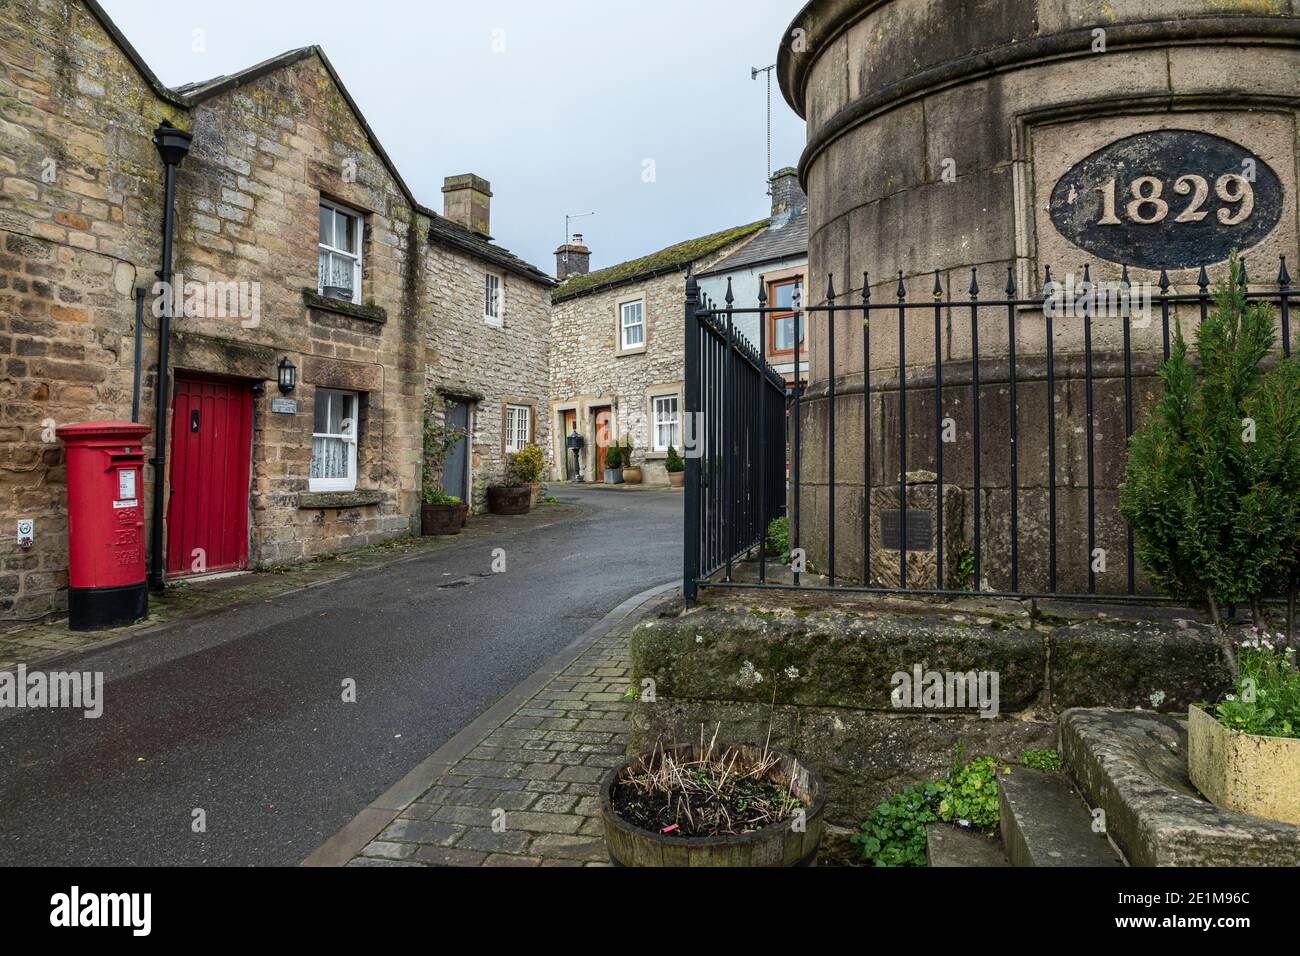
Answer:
(526, 793)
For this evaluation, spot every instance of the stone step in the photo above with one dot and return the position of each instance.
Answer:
(947, 845)
(1132, 764)
(1045, 822)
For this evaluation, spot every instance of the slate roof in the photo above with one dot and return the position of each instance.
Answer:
(442, 231)
(670, 259)
(773, 243)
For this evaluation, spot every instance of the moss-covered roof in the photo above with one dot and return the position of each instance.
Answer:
(673, 257)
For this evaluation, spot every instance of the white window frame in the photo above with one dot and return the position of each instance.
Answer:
(499, 318)
(341, 253)
(623, 326)
(519, 427)
(674, 423)
(348, 433)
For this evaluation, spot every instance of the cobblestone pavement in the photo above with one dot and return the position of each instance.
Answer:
(537, 773)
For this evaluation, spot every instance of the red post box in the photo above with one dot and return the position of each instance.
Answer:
(106, 543)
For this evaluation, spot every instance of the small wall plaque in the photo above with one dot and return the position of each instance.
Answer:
(285, 406)
(920, 530)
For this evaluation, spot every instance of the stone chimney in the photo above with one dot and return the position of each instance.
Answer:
(572, 259)
(787, 196)
(467, 200)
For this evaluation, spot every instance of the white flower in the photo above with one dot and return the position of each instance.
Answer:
(699, 638)
(792, 673)
(1157, 698)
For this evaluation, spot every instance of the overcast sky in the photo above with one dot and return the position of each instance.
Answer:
(562, 105)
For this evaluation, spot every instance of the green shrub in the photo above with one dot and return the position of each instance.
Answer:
(778, 538)
(613, 457)
(1267, 697)
(528, 464)
(894, 832)
(1212, 490)
(674, 462)
(440, 498)
(1048, 760)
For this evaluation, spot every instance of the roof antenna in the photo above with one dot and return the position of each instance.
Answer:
(753, 75)
(568, 218)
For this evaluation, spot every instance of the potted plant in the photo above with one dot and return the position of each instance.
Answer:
(514, 495)
(631, 472)
(1244, 754)
(613, 465)
(705, 805)
(675, 465)
(440, 513)
(529, 463)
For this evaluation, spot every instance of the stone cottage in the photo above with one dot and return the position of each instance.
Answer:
(776, 261)
(618, 355)
(314, 302)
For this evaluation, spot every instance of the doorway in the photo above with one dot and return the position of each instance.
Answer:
(455, 468)
(602, 434)
(207, 511)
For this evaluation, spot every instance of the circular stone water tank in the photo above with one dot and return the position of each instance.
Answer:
(1007, 136)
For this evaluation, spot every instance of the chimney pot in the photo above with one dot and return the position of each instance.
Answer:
(787, 195)
(572, 259)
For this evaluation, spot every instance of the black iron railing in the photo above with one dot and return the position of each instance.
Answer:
(734, 436)
(745, 466)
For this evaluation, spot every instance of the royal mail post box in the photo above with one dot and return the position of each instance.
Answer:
(106, 545)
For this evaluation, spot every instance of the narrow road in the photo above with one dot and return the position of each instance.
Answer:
(240, 714)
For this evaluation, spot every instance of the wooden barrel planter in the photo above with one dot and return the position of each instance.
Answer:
(512, 500)
(779, 844)
(441, 519)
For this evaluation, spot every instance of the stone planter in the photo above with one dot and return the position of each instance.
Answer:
(1245, 772)
(513, 500)
(777, 845)
(441, 519)
(632, 475)
(613, 476)
(676, 478)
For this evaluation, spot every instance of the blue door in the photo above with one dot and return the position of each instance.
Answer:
(456, 467)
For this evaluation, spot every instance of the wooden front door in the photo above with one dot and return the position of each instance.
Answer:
(601, 437)
(455, 467)
(207, 513)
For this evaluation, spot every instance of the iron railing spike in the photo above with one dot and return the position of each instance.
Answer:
(902, 289)
(1283, 277)
(974, 286)
(1011, 283)
(1203, 280)
(1164, 282)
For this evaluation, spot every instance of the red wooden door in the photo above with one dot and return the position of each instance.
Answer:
(207, 515)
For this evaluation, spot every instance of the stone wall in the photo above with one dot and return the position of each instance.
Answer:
(493, 366)
(922, 157)
(828, 680)
(80, 207)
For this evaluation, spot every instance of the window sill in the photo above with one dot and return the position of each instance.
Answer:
(623, 353)
(312, 500)
(353, 310)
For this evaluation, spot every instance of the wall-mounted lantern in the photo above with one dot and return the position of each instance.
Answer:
(288, 375)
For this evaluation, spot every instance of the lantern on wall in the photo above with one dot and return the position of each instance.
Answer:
(287, 373)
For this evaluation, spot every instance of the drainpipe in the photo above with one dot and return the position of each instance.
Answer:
(173, 144)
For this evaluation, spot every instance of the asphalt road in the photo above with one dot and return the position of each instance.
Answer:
(240, 713)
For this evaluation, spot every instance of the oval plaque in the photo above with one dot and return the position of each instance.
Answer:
(1170, 198)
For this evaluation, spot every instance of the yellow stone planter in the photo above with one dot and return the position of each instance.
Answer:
(1256, 775)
